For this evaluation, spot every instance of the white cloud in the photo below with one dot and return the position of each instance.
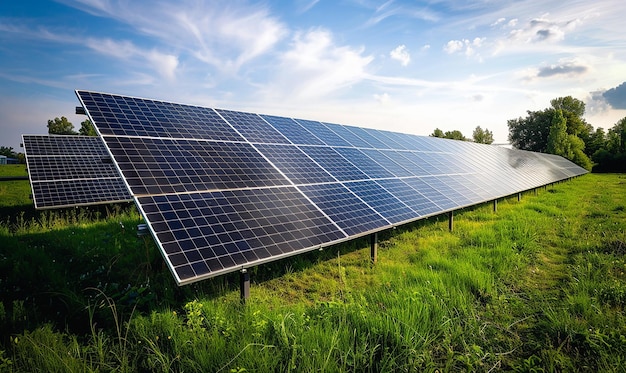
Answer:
(400, 53)
(223, 34)
(542, 29)
(382, 99)
(315, 67)
(465, 46)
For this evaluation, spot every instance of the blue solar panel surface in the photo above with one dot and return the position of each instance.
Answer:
(224, 190)
(69, 171)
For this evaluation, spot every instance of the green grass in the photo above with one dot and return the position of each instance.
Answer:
(537, 286)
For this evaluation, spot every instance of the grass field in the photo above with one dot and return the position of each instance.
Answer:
(537, 286)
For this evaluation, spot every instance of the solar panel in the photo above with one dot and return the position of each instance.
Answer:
(71, 171)
(224, 190)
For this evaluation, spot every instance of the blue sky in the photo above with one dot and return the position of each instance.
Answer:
(408, 66)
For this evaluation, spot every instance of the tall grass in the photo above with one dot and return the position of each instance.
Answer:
(537, 286)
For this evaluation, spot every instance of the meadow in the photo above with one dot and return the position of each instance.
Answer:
(538, 286)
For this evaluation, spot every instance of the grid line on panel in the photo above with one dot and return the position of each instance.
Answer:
(295, 164)
(64, 145)
(323, 133)
(387, 163)
(344, 208)
(207, 233)
(70, 171)
(162, 166)
(292, 130)
(364, 163)
(387, 205)
(334, 163)
(410, 196)
(253, 127)
(66, 193)
(129, 116)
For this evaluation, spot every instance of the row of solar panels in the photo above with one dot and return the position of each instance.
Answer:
(224, 190)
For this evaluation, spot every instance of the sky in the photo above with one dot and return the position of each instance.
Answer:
(406, 66)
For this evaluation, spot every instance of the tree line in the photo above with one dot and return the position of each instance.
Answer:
(561, 129)
(481, 136)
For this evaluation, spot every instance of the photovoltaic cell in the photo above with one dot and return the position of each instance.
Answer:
(382, 201)
(253, 127)
(334, 163)
(296, 165)
(292, 130)
(345, 208)
(127, 116)
(71, 171)
(322, 132)
(364, 163)
(224, 190)
(209, 233)
(158, 166)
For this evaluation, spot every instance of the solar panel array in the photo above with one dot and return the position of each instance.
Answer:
(71, 171)
(224, 190)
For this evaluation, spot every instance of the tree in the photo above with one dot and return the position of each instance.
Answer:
(482, 136)
(60, 127)
(454, 135)
(558, 141)
(577, 152)
(531, 133)
(87, 128)
(573, 111)
(437, 133)
(7, 152)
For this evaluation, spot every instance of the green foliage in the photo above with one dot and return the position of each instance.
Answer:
(60, 126)
(482, 136)
(531, 133)
(453, 135)
(558, 141)
(611, 157)
(537, 286)
(87, 128)
(437, 133)
(7, 152)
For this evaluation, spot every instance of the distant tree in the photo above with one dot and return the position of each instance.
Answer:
(87, 128)
(573, 110)
(577, 152)
(437, 133)
(60, 127)
(594, 140)
(455, 135)
(558, 140)
(531, 133)
(482, 136)
(7, 152)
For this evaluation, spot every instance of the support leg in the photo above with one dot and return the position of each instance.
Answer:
(374, 247)
(519, 197)
(495, 205)
(244, 285)
(451, 221)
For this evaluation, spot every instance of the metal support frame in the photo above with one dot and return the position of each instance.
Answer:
(451, 221)
(244, 285)
(495, 205)
(519, 196)
(374, 247)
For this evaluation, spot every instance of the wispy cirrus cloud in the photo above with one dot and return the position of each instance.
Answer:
(223, 34)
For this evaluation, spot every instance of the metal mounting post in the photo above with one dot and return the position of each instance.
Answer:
(374, 247)
(244, 284)
(495, 205)
(451, 221)
(519, 196)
